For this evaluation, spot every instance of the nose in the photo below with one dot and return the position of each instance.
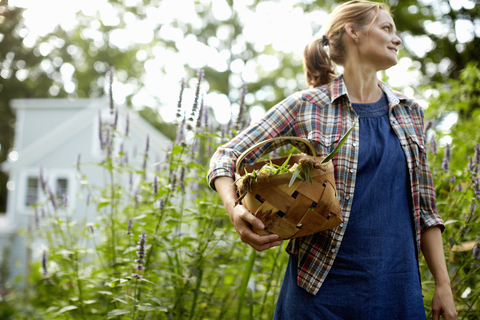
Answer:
(396, 40)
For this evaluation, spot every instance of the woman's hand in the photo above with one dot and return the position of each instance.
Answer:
(242, 219)
(442, 303)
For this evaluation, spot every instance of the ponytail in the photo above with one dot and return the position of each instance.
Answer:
(317, 64)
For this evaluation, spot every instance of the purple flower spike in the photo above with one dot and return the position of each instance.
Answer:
(78, 163)
(144, 167)
(52, 199)
(201, 115)
(42, 180)
(141, 255)
(129, 226)
(242, 117)
(44, 263)
(446, 158)
(476, 250)
(147, 145)
(200, 75)
(127, 125)
(110, 89)
(100, 123)
(471, 211)
(115, 119)
(471, 166)
(476, 188)
(173, 181)
(90, 228)
(37, 217)
(64, 200)
(433, 146)
(477, 154)
(89, 198)
(136, 198)
(155, 186)
(179, 105)
(452, 180)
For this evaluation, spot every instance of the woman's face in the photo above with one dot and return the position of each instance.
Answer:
(379, 45)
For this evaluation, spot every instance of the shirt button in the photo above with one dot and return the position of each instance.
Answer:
(411, 170)
(334, 250)
(347, 197)
(351, 170)
(421, 147)
(354, 144)
(341, 225)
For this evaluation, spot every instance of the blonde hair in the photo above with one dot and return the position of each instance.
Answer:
(317, 62)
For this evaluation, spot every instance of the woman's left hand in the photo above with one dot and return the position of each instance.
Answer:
(443, 304)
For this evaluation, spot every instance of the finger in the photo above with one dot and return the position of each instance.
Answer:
(253, 239)
(435, 314)
(268, 245)
(251, 219)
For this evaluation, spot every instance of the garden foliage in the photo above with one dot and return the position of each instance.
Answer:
(165, 249)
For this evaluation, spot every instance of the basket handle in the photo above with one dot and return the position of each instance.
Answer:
(246, 152)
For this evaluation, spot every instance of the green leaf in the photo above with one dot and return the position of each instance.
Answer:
(285, 164)
(156, 300)
(295, 175)
(50, 309)
(150, 308)
(306, 172)
(120, 300)
(65, 309)
(105, 292)
(116, 312)
(340, 144)
(450, 222)
(89, 301)
(145, 280)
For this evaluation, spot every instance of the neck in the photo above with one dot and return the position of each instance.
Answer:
(362, 84)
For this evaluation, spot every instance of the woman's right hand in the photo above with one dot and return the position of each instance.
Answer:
(242, 219)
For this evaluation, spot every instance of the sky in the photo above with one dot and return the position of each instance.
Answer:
(263, 26)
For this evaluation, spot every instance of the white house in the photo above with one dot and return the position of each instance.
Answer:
(50, 134)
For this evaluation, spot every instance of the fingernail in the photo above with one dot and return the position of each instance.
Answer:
(260, 226)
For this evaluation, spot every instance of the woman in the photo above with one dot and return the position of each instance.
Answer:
(366, 268)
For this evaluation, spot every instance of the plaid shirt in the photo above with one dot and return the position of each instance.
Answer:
(323, 115)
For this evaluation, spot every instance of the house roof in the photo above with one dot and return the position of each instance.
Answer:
(68, 129)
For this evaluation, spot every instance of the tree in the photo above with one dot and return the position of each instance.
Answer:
(443, 30)
(21, 76)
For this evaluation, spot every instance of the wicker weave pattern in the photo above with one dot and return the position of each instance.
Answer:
(296, 211)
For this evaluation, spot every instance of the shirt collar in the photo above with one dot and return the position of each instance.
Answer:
(337, 89)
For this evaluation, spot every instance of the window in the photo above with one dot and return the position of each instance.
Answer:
(61, 188)
(32, 191)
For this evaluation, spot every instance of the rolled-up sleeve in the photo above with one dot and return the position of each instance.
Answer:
(429, 216)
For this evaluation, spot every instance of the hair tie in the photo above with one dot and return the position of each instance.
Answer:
(325, 41)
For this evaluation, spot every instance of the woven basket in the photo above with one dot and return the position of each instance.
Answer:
(296, 211)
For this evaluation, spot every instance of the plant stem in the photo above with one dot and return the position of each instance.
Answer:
(112, 216)
(471, 306)
(195, 295)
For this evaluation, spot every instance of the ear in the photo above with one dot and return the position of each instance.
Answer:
(352, 32)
